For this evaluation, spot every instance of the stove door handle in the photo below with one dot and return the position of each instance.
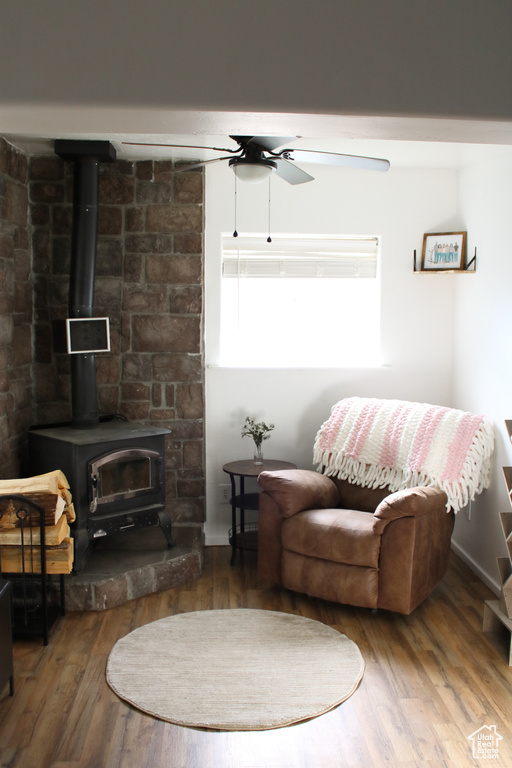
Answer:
(94, 501)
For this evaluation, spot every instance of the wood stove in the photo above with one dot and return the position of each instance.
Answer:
(116, 473)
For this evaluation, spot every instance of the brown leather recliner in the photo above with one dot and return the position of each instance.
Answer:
(331, 539)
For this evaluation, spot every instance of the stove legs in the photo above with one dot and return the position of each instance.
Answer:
(81, 544)
(83, 538)
(165, 525)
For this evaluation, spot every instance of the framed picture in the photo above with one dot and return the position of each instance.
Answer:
(443, 251)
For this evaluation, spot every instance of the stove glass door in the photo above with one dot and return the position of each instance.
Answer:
(124, 474)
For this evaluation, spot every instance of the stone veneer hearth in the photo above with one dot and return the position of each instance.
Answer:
(129, 565)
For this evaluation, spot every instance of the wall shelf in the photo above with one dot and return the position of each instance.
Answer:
(469, 269)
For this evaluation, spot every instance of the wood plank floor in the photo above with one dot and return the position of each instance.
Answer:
(431, 680)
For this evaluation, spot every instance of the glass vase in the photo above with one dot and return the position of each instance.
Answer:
(258, 454)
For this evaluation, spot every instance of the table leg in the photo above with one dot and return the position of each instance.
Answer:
(242, 510)
(233, 519)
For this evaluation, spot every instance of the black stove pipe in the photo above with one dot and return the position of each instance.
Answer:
(86, 156)
(81, 286)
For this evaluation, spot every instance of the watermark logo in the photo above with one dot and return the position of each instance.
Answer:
(485, 743)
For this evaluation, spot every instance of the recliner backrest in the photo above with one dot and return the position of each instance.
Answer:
(357, 497)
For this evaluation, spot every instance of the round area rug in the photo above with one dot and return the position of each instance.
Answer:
(235, 670)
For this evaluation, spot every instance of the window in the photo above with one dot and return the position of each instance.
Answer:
(308, 301)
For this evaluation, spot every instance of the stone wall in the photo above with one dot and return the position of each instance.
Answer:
(15, 312)
(149, 283)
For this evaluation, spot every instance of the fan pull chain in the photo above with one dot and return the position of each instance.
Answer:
(269, 239)
(235, 233)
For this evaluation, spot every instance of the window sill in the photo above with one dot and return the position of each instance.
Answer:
(309, 368)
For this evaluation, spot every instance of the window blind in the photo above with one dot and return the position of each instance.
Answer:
(249, 256)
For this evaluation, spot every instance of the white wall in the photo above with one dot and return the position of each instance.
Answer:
(417, 310)
(483, 345)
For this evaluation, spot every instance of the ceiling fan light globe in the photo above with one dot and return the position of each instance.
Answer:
(252, 172)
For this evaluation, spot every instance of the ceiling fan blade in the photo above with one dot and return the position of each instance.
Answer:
(333, 158)
(290, 172)
(200, 164)
(179, 146)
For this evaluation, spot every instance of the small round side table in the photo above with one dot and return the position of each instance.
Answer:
(242, 535)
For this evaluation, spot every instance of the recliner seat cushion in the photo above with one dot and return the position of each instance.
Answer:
(336, 535)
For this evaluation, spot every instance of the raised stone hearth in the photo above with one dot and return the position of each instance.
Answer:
(134, 564)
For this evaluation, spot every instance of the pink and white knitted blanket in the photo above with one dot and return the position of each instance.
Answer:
(395, 443)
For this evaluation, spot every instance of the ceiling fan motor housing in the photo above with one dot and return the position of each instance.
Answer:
(252, 168)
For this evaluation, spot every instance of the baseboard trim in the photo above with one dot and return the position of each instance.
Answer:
(493, 585)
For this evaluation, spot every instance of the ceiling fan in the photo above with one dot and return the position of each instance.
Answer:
(257, 157)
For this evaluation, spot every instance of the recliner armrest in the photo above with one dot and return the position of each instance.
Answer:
(411, 502)
(295, 490)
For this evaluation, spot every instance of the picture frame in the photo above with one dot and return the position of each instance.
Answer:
(444, 252)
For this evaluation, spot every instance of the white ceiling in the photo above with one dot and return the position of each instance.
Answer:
(399, 153)
(410, 142)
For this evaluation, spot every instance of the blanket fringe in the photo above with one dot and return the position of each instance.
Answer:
(459, 494)
(474, 477)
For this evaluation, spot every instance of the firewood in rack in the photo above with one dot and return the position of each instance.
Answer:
(55, 475)
(50, 491)
(59, 559)
(53, 534)
(20, 533)
(66, 494)
(49, 483)
(52, 504)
